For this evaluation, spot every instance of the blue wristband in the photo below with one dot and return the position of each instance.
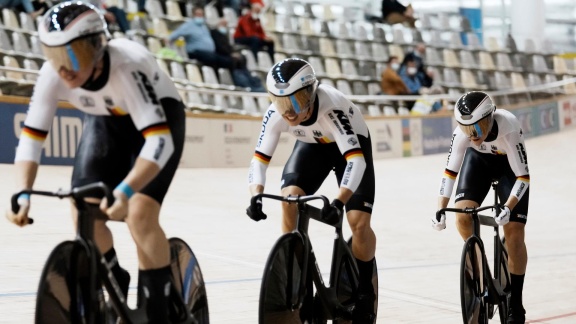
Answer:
(125, 188)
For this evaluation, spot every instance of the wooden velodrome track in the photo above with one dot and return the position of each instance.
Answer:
(417, 266)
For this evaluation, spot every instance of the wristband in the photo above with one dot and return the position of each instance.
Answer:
(23, 198)
(125, 188)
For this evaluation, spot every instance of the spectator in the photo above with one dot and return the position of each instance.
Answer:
(409, 74)
(393, 12)
(112, 14)
(249, 31)
(418, 55)
(24, 6)
(392, 84)
(199, 42)
(240, 73)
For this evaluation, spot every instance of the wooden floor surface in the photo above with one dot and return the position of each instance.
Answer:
(417, 266)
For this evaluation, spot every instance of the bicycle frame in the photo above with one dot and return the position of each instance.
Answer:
(495, 290)
(340, 250)
(85, 237)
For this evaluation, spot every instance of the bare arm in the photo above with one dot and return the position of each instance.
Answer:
(26, 174)
(141, 174)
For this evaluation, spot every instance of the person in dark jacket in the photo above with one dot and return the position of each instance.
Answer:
(393, 12)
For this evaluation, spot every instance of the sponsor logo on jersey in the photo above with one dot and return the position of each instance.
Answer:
(522, 216)
(346, 177)
(344, 121)
(299, 133)
(352, 141)
(265, 120)
(460, 195)
(520, 189)
(108, 102)
(521, 153)
(369, 205)
(351, 111)
(442, 185)
(145, 87)
(160, 148)
(450, 149)
(87, 102)
(317, 133)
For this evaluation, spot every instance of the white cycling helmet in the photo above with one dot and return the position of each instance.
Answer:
(292, 85)
(73, 35)
(474, 112)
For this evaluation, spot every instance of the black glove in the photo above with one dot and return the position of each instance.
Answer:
(335, 211)
(254, 211)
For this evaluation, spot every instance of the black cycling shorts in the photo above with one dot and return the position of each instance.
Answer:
(478, 171)
(110, 145)
(310, 163)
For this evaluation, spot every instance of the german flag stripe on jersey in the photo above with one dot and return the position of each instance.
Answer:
(116, 111)
(353, 153)
(525, 178)
(262, 157)
(35, 134)
(156, 129)
(322, 140)
(450, 174)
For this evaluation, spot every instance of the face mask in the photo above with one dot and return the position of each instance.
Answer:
(198, 20)
(394, 66)
(223, 30)
(255, 16)
(411, 70)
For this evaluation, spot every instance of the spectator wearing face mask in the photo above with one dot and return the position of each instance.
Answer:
(249, 31)
(418, 55)
(392, 84)
(199, 43)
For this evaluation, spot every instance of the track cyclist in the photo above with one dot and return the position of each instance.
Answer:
(132, 138)
(331, 134)
(488, 144)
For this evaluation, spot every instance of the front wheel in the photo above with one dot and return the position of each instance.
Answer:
(281, 297)
(66, 292)
(347, 282)
(504, 279)
(473, 286)
(189, 282)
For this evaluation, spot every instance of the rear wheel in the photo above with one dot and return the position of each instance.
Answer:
(473, 287)
(282, 282)
(189, 283)
(65, 294)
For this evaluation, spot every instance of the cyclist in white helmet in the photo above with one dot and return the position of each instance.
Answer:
(132, 138)
(487, 145)
(331, 135)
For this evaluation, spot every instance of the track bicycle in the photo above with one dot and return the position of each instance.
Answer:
(70, 288)
(481, 294)
(291, 273)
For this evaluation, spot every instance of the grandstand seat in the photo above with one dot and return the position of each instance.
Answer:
(264, 61)
(362, 50)
(417, 36)
(380, 52)
(10, 19)
(20, 44)
(451, 79)
(194, 75)
(444, 21)
(467, 60)
(433, 57)
(333, 68)
(318, 65)
(328, 81)
(14, 82)
(360, 31)
(368, 70)
(455, 41)
(539, 64)
(486, 61)
(263, 103)
(396, 50)
(35, 47)
(163, 66)
(27, 23)
(403, 111)
(560, 66)
(153, 44)
(138, 25)
(173, 10)
(33, 66)
(379, 34)
(399, 37)
(177, 71)
(359, 88)
(504, 63)
(518, 83)
(210, 78)
(473, 41)
(389, 111)
(344, 87)
(327, 47)
(374, 110)
(305, 25)
(249, 105)
(450, 58)
(343, 48)
(328, 13)
(5, 43)
(155, 9)
(159, 27)
(469, 81)
(374, 88)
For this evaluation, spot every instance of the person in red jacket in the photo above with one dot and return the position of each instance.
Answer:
(249, 31)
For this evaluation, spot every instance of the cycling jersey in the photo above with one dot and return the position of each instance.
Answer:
(505, 139)
(334, 119)
(131, 84)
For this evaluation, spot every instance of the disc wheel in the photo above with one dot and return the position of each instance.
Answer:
(282, 283)
(472, 284)
(188, 281)
(347, 283)
(64, 291)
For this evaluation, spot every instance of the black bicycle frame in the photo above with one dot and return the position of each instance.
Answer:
(85, 237)
(340, 249)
